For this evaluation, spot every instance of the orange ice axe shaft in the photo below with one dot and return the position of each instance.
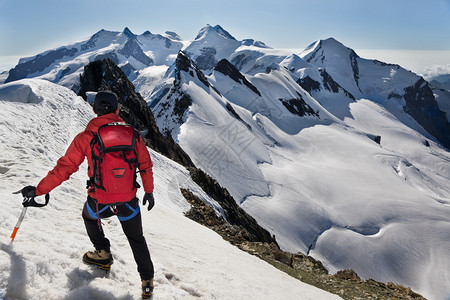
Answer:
(19, 221)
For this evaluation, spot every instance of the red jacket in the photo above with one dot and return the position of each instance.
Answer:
(80, 148)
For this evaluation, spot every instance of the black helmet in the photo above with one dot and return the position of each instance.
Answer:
(105, 102)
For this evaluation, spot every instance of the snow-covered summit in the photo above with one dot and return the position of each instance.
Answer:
(209, 30)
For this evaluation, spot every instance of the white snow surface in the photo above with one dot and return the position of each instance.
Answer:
(38, 119)
(321, 184)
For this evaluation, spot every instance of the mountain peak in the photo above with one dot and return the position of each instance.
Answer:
(173, 35)
(335, 44)
(128, 33)
(208, 29)
(252, 42)
(327, 45)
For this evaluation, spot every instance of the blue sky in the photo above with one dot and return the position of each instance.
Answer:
(28, 27)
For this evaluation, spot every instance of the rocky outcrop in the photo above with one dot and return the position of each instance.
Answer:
(299, 107)
(207, 58)
(345, 283)
(309, 84)
(422, 106)
(333, 86)
(234, 215)
(228, 69)
(106, 75)
(184, 63)
(92, 41)
(205, 215)
(170, 102)
(236, 115)
(355, 68)
(132, 49)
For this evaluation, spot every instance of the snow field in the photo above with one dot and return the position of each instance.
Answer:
(44, 262)
(314, 183)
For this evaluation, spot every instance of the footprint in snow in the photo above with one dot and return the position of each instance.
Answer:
(172, 279)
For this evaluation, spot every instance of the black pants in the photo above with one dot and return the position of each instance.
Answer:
(130, 218)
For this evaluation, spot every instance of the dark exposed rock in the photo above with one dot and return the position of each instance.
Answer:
(346, 283)
(64, 72)
(105, 75)
(176, 101)
(127, 69)
(236, 115)
(309, 84)
(394, 95)
(181, 105)
(223, 32)
(355, 67)
(317, 53)
(241, 59)
(91, 43)
(170, 102)
(128, 33)
(205, 215)
(132, 49)
(207, 58)
(348, 274)
(422, 106)
(38, 64)
(228, 69)
(233, 213)
(299, 107)
(252, 42)
(184, 63)
(383, 64)
(377, 139)
(333, 86)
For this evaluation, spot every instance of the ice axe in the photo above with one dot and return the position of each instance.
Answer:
(27, 201)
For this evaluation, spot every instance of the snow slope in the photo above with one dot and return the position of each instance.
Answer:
(321, 184)
(38, 121)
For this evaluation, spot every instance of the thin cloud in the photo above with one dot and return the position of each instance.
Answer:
(437, 70)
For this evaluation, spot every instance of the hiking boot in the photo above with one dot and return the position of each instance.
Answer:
(147, 289)
(102, 259)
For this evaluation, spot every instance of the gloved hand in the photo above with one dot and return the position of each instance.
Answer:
(151, 201)
(29, 192)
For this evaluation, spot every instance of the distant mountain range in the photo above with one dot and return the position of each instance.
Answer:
(326, 69)
(338, 156)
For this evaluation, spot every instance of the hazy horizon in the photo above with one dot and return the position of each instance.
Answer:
(427, 63)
